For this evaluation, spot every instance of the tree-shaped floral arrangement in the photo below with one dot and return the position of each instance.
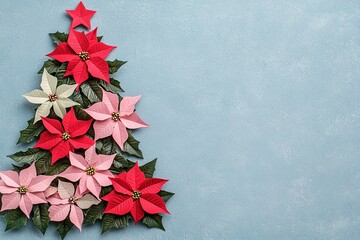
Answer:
(78, 171)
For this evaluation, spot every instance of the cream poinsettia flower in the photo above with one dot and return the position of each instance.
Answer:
(51, 96)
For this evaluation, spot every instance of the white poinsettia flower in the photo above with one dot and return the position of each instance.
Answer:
(51, 96)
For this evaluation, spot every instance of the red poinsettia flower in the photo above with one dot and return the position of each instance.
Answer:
(63, 137)
(85, 55)
(136, 194)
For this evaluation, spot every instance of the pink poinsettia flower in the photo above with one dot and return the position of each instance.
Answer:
(68, 202)
(92, 171)
(112, 120)
(23, 189)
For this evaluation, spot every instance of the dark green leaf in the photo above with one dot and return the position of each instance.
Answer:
(64, 80)
(92, 91)
(31, 155)
(41, 217)
(153, 221)
(106, 146)
(42, 165)
(15, 219)
(115, 65)
(99, 38)
(94, 213)
(113, 87)
(131, 146)
(59, 37)
(111, 221)
(51, 66)
(81, 114)
(31, 132)
(82, 99)
(58, 167)
(64, 227)
(105, 191)
(165, 195)
(19, 168)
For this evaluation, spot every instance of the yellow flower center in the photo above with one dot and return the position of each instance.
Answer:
(84, 56)
(22, 190)
(136, 195)
(115, 116)
(90, 171)
(65, 136)
(52, 97)
(72, 200)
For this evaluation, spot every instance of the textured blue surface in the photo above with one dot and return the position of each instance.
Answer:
(254, 107)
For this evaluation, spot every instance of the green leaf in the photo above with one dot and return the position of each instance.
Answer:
(15, 219)
(94, 213)
(64, 227)
(31, 155)
(59, 37)
(31, 132)
(41, 217)
(64, 80)
(58, 167)
(148, 169)
(99, 38)
(111, 221)
(166, 195)
(51, 66)
(92, 91)
(113, 86)
(115, 65)
(81, 114)
(106, 146)
(82, 99)
(153, 221)
(105, 191)
(131, 146)
(19, 168)
(42, 165)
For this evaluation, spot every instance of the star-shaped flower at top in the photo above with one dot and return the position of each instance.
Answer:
(136, 194)
(85, 55)
(62, 137)
(92, 171)
(81, 16)
(23, 189)
(51, 96)
(112, 120)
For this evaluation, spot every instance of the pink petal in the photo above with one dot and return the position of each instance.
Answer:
(87, 201)
(10, 201)
(27, 174)
(78, 161)
(135, 177)
(40, 183)
(127, 105)
(10, 178)
(104, 162)
(102, 177)
(120, 134)
(66, 190)
(103, 128)
(82, 184)
(25, 205)
(73, 174)
(99, 111)
(56, 200)
(111, 100)
(133, 121)
(91, 156)
(4, 189)
(36, 198)
(50, 191)
(76, 216)
(93, 186)
(58, 213)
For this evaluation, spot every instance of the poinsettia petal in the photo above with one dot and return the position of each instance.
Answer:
(103, 178)
(82, 184)
(92, 37)
(153, 203)
(42, 111)
(56, 200)
(133, 121)
(120, 134)
(70, 66)
(25, 205)
(58, 213)
(109, 196)
(40, 183)
(27, 174)
(90, 155)
(66, 190)
(104, 128)
(66, 103)
(78, 41)
(93, 186)
(10, 178)
(4, 189)
(36, 96)
(78, 161)
(135, 177)
(100, 49)
(50, 191)
(98, 68)
(59, 110)
(83, 142)
(104, 162)
(48, 82)
(65, 90)
(152, 185)
(119, 204)
(63, 53)
(111, 100)
(127, 105)
(73, 174)
(10, 201)
(52, 125)
(99, 111)
(37, 197)
(48, 140)
(121, 186)
(87, 201)
(59, 151)
(74, 126)
(137, 212)
(80, 72)
(76, 216)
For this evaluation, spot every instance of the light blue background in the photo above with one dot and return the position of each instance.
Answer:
(254, 107)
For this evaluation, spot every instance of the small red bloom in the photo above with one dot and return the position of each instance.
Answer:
(85, 55)
(61, 138)
(80, 16)
(136, 194)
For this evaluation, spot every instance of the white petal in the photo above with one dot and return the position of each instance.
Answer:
(43, 111)
(65, 190)
(48, 82)
(66, 103)
(65, 91)
(59, 109)
(87, 201)
(37, 96)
